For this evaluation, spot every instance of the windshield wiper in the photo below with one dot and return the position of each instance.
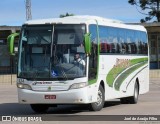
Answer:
(35, 75)
(35, 72)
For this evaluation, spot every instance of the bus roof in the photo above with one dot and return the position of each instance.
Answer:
(86, 19)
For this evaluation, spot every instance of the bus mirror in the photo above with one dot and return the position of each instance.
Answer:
(87, 42)
(10, 42)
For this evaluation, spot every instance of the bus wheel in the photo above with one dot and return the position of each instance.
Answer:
(97, 106)
(39, 108)
(133, 99)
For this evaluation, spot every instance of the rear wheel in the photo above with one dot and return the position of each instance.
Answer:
(97, 106)
(133, 99)
(39, 108)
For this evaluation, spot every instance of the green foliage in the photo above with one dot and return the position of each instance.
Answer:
(152, 7)
(65, 15)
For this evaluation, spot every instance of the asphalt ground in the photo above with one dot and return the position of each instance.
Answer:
(148, 106)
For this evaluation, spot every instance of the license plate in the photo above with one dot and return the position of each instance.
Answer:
(50, 96)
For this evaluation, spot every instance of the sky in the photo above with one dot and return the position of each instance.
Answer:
(13, 12)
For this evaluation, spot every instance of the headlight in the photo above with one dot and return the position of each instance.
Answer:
(78, 85)
(24, 86)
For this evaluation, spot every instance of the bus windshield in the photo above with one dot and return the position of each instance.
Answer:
(52, 52)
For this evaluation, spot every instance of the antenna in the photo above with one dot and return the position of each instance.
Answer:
(28, 10)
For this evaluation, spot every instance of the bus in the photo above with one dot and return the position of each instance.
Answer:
(81, 60)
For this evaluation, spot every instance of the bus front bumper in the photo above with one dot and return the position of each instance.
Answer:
(74, 96)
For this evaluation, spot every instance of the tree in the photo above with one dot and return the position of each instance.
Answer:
(64, 15)
(151, 6)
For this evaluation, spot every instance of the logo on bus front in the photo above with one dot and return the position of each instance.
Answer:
(49, 88)
(41, 83)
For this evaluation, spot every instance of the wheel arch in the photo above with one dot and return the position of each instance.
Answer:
(102, 84)
(137, 81)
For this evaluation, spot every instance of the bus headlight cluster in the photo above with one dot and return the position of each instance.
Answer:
(24, 86)
(78, 85)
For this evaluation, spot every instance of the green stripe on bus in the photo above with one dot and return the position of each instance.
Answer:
(125, 74)
(118, 69)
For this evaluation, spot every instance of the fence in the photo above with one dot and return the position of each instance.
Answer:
(155, 73)
(8, 79)
(8, 73)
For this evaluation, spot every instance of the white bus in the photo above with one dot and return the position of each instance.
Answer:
(81, 60)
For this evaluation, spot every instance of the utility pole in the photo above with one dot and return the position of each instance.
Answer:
(28, 10)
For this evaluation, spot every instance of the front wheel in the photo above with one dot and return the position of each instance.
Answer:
(97, 106)
(39, 108)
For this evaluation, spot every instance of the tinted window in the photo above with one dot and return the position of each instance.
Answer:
(93, 58)
(122, 41)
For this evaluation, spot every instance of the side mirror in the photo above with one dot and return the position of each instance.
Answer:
(87, 43)
(10, 42)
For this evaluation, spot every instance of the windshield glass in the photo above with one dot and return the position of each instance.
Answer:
(52, 52)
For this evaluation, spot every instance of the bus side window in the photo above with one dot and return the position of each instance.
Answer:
(118, 48)
(103, 47)
(113, 48)
(108, 48)
(127, 48)
(93, 58)
(123, 48)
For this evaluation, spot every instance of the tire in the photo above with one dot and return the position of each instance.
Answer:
(97, 106)
(39, 108)
(133, 99)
